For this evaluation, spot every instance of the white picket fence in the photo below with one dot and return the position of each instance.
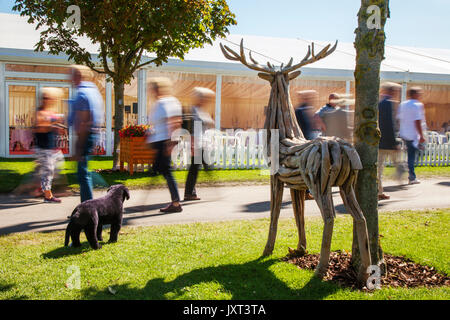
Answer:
(238, 150)
(435, 154)
(246, 150)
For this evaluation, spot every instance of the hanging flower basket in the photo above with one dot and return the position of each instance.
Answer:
(133, 148)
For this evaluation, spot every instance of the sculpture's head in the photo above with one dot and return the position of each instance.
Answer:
(271, 72)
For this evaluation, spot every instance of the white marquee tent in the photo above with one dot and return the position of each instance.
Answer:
(208, 67)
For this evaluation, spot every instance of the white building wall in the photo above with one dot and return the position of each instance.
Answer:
(142, 96)
(218, 109)
(3, 112)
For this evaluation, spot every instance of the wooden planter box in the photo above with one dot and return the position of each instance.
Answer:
(134, 150)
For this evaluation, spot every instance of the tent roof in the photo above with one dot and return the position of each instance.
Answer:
(23, 36)
(280, 50)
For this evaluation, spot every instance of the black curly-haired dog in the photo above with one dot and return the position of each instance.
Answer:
(91, 215)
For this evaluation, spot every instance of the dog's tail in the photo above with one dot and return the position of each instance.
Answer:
(69, 227)
(73, 212)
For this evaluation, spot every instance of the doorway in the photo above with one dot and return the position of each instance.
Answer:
(22, 100)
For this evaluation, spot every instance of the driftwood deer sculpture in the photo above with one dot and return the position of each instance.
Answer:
(317, 165)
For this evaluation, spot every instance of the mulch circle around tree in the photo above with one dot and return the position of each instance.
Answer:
(401, 272)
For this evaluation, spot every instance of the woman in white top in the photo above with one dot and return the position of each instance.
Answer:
(165, 118)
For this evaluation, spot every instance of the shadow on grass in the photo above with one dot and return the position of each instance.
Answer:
(98, 180)
(10, 179)
(248, 281)
(116, 177)
(4, 287)
(62, 251)
(20, 184)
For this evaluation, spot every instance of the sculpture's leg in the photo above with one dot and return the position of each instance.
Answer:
(327, 210)
(348, 196)
(276, 198)
(298, 203)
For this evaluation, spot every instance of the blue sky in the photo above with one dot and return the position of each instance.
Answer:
(415, 23)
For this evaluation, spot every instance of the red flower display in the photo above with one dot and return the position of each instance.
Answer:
(133, 131)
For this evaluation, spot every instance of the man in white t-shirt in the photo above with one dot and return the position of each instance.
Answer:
(165, 119)
(411, 115)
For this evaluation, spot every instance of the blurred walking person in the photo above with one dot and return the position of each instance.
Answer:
(47, 125)
(165, 118)
(86, 116)
(201, 122)
(323, 115)
(411, 115)
(305, 118)
(444, 128)
(389, 148)
(305, 114)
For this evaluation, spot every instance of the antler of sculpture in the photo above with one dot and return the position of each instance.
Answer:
(310, 57)
(234, 56)
(270, 68)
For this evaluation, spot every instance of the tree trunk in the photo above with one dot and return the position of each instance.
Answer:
(118, 118)
(369, 46)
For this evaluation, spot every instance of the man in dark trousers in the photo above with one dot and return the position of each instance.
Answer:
(201, 121)
(388, 146)
(304, 114)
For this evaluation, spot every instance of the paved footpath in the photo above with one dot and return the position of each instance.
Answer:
(217, 204)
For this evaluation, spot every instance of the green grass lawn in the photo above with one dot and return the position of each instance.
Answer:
(16, 171)
(211, 261)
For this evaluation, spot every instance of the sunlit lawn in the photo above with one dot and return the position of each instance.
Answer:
(210, 261)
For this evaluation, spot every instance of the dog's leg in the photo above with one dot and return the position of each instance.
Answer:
(115, 228)
(75, 231)
(91, 234)
(99, 232)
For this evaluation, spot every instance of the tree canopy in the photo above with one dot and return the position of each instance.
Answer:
(126, 30)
